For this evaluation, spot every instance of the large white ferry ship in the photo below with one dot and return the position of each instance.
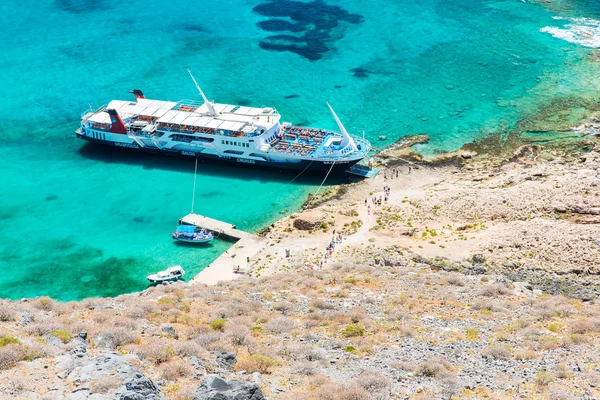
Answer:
(205, 129)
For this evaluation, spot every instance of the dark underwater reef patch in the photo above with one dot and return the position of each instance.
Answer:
(360, 72)
(81, 6)
(76, 272)
(308, 26)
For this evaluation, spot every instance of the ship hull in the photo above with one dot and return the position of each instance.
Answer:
(309, 166)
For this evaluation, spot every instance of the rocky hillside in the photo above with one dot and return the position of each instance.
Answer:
(375, 325)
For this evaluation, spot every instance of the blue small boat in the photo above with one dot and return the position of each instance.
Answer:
(192, 234)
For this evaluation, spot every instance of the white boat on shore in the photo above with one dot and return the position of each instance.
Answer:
(171, 274)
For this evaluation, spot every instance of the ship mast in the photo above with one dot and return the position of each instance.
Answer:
(342, 129)
(209, 104)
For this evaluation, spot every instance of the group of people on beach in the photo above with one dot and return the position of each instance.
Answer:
(377, 201)
(336, 239)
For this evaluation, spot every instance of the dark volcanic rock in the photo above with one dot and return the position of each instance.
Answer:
(213, 387)
(225, 359)
(169, 330)
(139, 388)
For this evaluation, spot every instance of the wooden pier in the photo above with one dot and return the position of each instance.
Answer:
(239, 256)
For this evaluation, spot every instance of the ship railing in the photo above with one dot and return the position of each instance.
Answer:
(88, 113)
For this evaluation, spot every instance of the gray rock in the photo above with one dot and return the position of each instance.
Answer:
(80, 348)
(478, 259)
(214, 387)
(198, 365)
(138, 388)
(101, 366)
(26, 318)
(169, 330)
(225, 359)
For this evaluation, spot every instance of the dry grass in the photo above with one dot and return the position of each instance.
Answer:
(255, 363)
(119, 337)
(497, 352)
(9, 357)
(176, 370)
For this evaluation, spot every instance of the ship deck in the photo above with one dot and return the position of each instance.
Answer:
(306, 142)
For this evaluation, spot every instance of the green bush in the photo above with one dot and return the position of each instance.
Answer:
(218, 324)
(6, 340)
(353, 330)
(63, 335)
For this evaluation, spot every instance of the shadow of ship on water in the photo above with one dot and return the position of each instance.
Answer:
(107, 154)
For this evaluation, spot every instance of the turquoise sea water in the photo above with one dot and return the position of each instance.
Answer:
(77, 221)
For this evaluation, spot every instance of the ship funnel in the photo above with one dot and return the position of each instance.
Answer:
(210, 105)
(138, 94)
(116, 123)
(343, 131)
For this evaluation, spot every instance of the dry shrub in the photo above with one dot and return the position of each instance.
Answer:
(455, 280)
(584, 325)
(238, 335)
(496, 352)
(255, 363)
(6, 314)
(524, 355)
(124, 322)
(235, 308)
(136, 313)
(556, 393)
(9, 357)
(405, 365)
(197, 330)
(561, 371)
(156, 351)
(280, 325)
(100, 317)
(322, 304)
(495, 290)
(105, 384)
(433, 368)
(543, 379)
(16, 384)
(284, 307)
(188, 348)
(333, 392)
(42, 328)
(185, 393)
(206, 339)
(357, 314)
(377, 385)
(175, 370)
(119, 336)
(487, 305)
(44, 303)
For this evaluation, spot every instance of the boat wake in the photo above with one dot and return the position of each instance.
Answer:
(582, 31)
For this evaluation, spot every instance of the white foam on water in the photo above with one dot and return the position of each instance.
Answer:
(582, 31)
